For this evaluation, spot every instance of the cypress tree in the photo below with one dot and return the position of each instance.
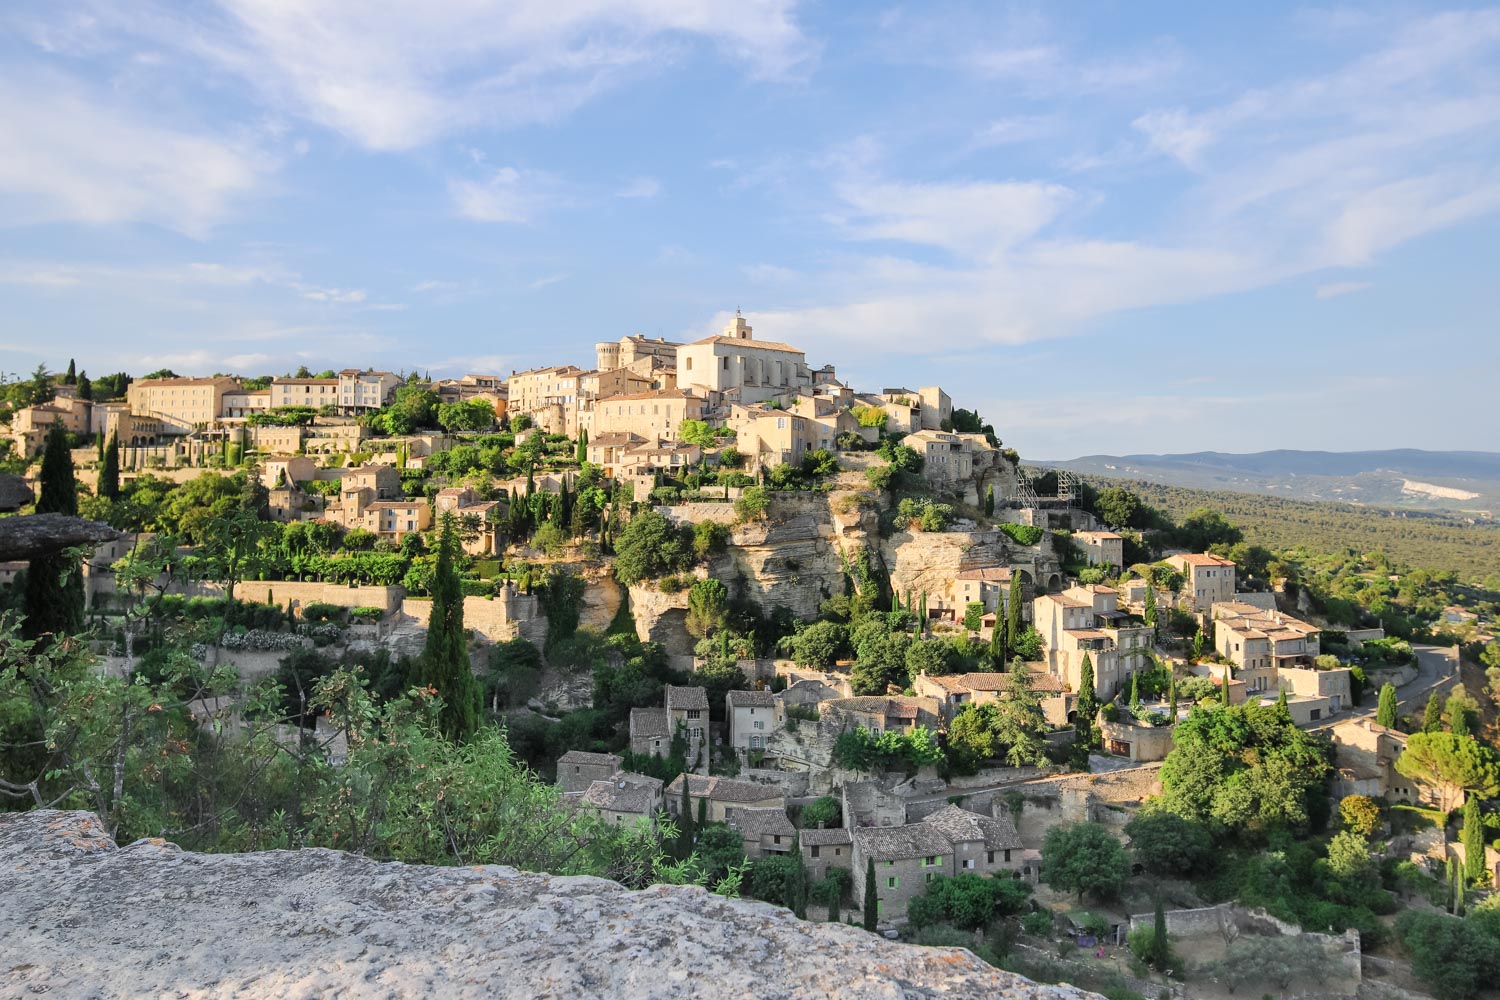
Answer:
(1160, 950)
(702, 813)
(109, 469)
(1458, 891)
(53, 601)
(71, 378)
(564, 504)
(989, 501)
(1473, 840)
(685, 832)
(1172, 693)
(1224, 690)
(922, 609)
(1088, 705)
(1013, 624)
(1281, 703)
(1385, 711)
(895, 600)
(85, 387)
(1432, 719)
(1452, 880)
(872, 900)
(444, 663)
(833, 907)
(583, 445)
(799, 879)
(997, 642)
(1135, 690)
(1150, 612)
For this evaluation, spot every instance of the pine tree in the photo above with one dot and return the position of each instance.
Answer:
(1088, 705)
(444, 663)
(1013, 625)
(109, 469)
(53, 601)
(71, 378)
(1432, 719)
(1385, 712)
(872, 900)
(989, 501)
(1473, 840)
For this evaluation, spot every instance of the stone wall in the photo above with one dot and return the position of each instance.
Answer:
(700, 510)
(151, 919)
(498, 619)
(1109, 798)
(284, 593)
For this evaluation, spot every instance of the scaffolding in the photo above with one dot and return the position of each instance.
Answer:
(1067, 490)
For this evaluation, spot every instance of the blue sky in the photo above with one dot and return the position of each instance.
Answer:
(1111, 227)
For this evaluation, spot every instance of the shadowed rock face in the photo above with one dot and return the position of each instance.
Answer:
(80, 917)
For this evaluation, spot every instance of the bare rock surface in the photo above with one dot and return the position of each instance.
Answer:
(80, 917)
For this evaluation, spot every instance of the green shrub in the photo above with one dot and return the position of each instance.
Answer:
(1024, 534)
(366, 613)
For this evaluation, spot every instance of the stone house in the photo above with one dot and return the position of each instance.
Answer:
(578, 769)
(313, 392)
(362, 391)
(954, 691)
(766, 830)
(752, 718)
(1101, 548)
(738, 368)
(885, 713)
(288, 470)
(1333, 686)
(722, 795)
(1142, 744)
(825, 849)
(1260, 642)
(463, 503)
(930, 408)
(769, 437)
(1087, 620)
(652, 416)
(650, 732)
(624, 798)
(611, 354)
(29, 425)
(183, 403)
(1364, 760)
(688, 707)
(1207, 579)
(370, 498)
(986, 585)
(951, 841)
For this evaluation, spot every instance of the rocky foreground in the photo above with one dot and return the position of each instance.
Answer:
(81, 917)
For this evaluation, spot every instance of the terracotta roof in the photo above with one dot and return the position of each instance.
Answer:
(304, 381)
(153, 382)
(1097, 535)
(1066, 602)
(594, 759)
(960, 825)
(769, 345)
(392, 504)
(653, 394)
(1201, 559)
(994, 573)
(750, 699)
(615, 438)
(1002, 682)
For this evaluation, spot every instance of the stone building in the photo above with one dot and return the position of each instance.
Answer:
(1101, 548)
(738, 368)
(1207, 579)
(578, 769)
(1086, 620)
(952, 841)
(721, 795)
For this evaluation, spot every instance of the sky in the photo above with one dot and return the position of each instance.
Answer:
(1109, 227)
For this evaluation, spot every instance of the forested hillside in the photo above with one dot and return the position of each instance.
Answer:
(1435, 542)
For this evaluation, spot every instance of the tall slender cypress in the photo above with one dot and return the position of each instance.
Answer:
(872, 899)
(1013, 624)
(997, 642)
(109, 469)
(1088, 705)
(53, 601)
(1473, 840)
(1224, 691)
(444, 663)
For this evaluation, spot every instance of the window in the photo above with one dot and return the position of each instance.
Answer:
(968, 862)
(989, 857)
(815, 850)
(929, 861)
(759, 724)
(776, 838)
(693, 713)
(929, 876)
(892, 882)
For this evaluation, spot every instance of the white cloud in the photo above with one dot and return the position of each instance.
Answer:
(641, 187)
(392, 75)
(344, 296)
(1015, 129)
(501, 198)
(74, 155)
(1337, 288)
(974, 219)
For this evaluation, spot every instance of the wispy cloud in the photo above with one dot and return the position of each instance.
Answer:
(641, 187)
(505, 196)
(74, 154)
(1338, 288)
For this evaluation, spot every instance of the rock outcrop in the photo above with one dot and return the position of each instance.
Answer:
(83, 918)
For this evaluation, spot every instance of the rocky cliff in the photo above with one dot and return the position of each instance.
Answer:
(81, 917)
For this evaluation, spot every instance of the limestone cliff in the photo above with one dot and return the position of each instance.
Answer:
(81, 917)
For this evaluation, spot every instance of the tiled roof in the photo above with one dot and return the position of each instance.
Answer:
(1002, 682)
(686, 698)
(1097, 535)
(1201, 559)
(768, 345)
(760, 821)
(584, 757)
(628, 793)
(899, 843)
(960, 825)
(653, 394)
(995, 574)
(725, 789)
(824, 838)
(1066, 602)
(750, 699)
(615, 438)
(649, 722)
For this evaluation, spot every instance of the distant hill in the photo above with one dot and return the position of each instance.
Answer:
(1455, 482)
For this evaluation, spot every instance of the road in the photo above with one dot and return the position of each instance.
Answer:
(1437, 669)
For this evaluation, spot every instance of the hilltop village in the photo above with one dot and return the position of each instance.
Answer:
(834, 637)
